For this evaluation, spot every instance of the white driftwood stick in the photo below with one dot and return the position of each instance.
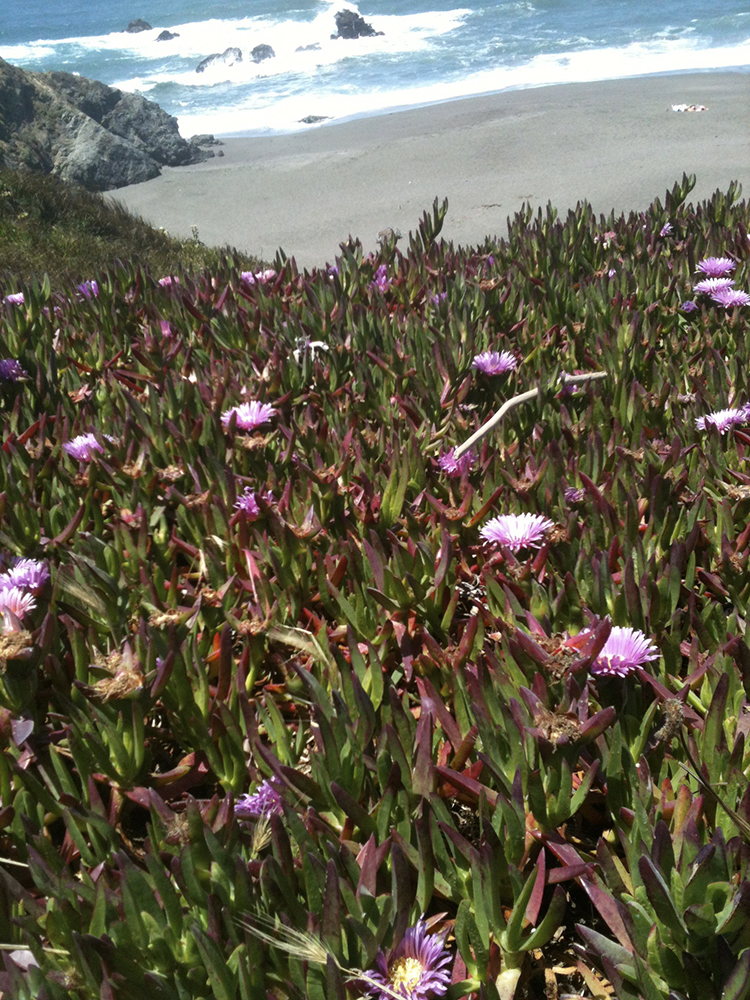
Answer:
(524, 397)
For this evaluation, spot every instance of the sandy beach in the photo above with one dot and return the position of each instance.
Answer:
(616, 144)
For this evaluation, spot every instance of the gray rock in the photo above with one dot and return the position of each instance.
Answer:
(84, 131)
(205, 139)
(228, 57)
(138, 25)
(350, 24)
(261, 52)
(314, 119)
(167, 36)
(315, 47)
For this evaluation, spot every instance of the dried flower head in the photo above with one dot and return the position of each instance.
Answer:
(416, 969)
(265, 801)
(495, 362)
(624, 650)
(715, 267)
(516, 531)
(248, 415)
(722, 420)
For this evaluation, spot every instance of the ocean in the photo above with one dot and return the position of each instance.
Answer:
(430, 51)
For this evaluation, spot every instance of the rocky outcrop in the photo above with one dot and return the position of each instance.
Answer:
(228, 57)
(350, 24)
(138, 25)
(261, 52)
(167, 36)
(84, 131)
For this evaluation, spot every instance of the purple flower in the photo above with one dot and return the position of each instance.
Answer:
(168, 280)
(611, 272)
(11, 371)
(689, 306)
(416, 969)
(438, 299)
(711, 285)
(252, 277)
(248, 415)
(494, 362)
(89, 289)
(715, 267)
(455, 467)
(381, 281)
(83, 447)
(516, 531)
(728, 297)
(722, 420)
(14, 299)
(17, 600)
(29, 573)
(248, 502)
(574, 494)
(624, 650)
(667, 229)
(265, 801)
(166, 328)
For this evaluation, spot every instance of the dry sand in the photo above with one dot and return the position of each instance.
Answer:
(616, 144)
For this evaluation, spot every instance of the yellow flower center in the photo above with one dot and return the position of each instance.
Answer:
(406, 972)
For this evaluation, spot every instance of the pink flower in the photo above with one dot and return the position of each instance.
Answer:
(17, 600)
(715, 267)
(83, 447)
(252, 277)
(711, 285)
(495, 362)
(265, 801)
(728, 297)
(455, 467)
(14, 299)
(29, 573)
(624, 651)
(516, 531)
(248, 415)
(722, 420)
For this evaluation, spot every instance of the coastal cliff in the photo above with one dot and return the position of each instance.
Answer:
(84, 131)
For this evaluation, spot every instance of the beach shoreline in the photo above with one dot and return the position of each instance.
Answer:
(616, 144)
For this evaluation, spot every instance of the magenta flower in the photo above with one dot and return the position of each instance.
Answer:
(728, 297)
(455, 467)
(29, 573)
(416, 969)
(248, 502)
(667, 229)
(722, 420)
(711, 285)
(265, 801)
(248, 415)
(14, 299)
(83, 447)
(168, 280)
(11, 371)
(516, 531)
(574, 494)
(381, 281)
(689, 306)
(494, 362)
(17, 600)
(715, 267)
(624, 651)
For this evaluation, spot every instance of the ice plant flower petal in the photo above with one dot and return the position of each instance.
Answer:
(715, 267)
(416, 969)
(14, 299)
(689, 306)
(722, 420)
(494, 362)
(516, 531)
(29, 573)
(728, 297)
(89, 289)
(253, 277)
(17, 600)
(455, 467)
(248, 415)
(265, 801)
(83, 447)
(624, 651)
(711, 285)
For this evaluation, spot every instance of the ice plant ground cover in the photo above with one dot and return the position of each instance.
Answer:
(280, 723)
